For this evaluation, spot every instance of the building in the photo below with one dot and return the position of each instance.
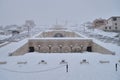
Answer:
(15, 32)
(99, 22)
(60, 40)
(113, 24)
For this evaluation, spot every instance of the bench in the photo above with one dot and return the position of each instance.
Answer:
(22, 62)
(42, 62)
(84, 61)
(104, 62)
(63, 62)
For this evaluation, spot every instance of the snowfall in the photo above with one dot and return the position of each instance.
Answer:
(81, 66)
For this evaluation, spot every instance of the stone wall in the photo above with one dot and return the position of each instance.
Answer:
(53, 33)
(22, 50)
(97, 48)
(59, 45)
(52, 45)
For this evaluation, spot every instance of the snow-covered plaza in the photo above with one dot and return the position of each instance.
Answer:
(92, 69)
(60, 64)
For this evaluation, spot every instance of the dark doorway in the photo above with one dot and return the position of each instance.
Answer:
(31, 49)
(89, 48)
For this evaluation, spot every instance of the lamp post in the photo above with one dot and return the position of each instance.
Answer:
(60, 46)
(81, 46)
(71, 46)
(39, 47)
(49, 48)
(66, 67)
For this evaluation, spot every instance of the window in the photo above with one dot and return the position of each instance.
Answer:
(109, 27)
(114, 18)
(116, 24)
(115, 27)
(105, 27)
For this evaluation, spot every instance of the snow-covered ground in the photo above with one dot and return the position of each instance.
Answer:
(53, 70)
(106, 37)
(100, 32)
(22, 35)
(4, 36)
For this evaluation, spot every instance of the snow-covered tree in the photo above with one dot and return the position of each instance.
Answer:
(89, 25)
(30, 23)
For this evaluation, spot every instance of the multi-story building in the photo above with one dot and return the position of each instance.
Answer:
(113, 24)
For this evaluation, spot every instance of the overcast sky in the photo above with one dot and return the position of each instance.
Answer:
(47, 11)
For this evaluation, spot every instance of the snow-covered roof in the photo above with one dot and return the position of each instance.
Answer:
(14, 29)
(65, 38)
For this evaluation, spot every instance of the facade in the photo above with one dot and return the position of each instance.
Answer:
(113, 24)
(67, 45)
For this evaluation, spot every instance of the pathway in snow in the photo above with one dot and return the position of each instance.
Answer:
(93, 70)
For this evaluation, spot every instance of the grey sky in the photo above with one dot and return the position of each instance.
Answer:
(47, 11)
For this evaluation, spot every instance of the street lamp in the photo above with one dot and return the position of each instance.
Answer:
(49, 48)
(81, 46)
(71, 46)
(60, 47)
(39, 47)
